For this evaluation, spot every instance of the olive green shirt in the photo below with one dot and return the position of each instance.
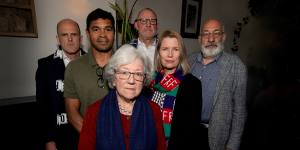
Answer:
(81, 81)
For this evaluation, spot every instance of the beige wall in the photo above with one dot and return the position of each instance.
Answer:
(169, 15)
(18, 56)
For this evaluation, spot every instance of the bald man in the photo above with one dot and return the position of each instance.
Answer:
(224, 78)
(57, 133)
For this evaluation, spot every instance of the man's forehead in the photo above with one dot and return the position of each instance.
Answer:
(213, 25)
(102, 22)
(69, 29)
(147, 13)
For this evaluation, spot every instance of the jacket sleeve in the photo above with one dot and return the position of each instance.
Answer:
(48, 125)
(187, 115)
(239, 106)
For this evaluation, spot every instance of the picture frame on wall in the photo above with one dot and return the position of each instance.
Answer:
(190, 18)
(18, 18)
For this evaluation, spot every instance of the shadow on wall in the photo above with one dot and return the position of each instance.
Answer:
(274, 82)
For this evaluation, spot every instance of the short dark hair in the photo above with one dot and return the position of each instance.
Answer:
(99, 13)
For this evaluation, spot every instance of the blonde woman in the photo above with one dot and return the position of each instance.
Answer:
(176, 92)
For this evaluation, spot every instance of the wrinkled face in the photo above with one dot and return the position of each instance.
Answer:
(169, 53)
(68, 37)
(129, 80)
(212, 38)
(101, 34)
(146, 25)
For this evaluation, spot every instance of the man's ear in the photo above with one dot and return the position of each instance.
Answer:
(199, 39)
(135, 25)
(58, 43)
(57, 40)
(224, 37)
(80, 39)
(87, 34)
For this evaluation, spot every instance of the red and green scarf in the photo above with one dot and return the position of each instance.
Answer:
(165, 90)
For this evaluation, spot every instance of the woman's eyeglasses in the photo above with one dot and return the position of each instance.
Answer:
(99, 72)
(125, 75)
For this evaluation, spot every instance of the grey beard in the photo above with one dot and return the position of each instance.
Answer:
(208, 52)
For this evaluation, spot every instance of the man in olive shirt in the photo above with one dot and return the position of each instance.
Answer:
(84, 83)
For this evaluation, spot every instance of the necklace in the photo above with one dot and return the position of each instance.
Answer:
(125, 110)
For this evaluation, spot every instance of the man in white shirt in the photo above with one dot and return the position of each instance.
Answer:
(146, 24)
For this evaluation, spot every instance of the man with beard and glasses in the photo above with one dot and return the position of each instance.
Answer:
(224, 78)
(84, 82)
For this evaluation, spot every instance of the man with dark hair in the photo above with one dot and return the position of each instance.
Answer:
(57, 133)
(84, 82)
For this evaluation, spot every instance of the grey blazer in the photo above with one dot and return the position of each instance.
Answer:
(229, 108)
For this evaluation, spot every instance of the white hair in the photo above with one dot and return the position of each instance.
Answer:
(212, 52)
(126, 54)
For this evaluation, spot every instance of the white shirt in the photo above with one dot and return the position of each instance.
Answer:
(148, 51)
(66, 59)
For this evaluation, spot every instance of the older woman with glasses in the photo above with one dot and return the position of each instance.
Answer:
(125, 118)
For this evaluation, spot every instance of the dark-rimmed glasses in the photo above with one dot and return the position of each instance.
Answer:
(99, 72)
(145, 21)
(125, 75)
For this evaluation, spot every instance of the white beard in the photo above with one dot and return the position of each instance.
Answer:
(212, 52)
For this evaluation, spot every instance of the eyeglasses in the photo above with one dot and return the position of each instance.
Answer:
(145, 21)
(125, 75)
(99, 72)
(215, 34)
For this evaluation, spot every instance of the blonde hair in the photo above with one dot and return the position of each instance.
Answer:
(183, 62)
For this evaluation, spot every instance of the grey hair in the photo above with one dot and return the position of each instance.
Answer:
(126, 54)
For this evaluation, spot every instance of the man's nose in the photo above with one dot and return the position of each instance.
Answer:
(70, 38)
(170, 53)
(211, 38)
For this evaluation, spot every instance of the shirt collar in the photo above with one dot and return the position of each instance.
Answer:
(91, 58)
(65, 58)
(154, 43)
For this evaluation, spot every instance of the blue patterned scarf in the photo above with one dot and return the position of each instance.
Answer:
(109, 131)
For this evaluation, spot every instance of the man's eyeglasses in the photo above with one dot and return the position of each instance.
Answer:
(99, 72)
(215, 34)
(145, 21)
(125, 75)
